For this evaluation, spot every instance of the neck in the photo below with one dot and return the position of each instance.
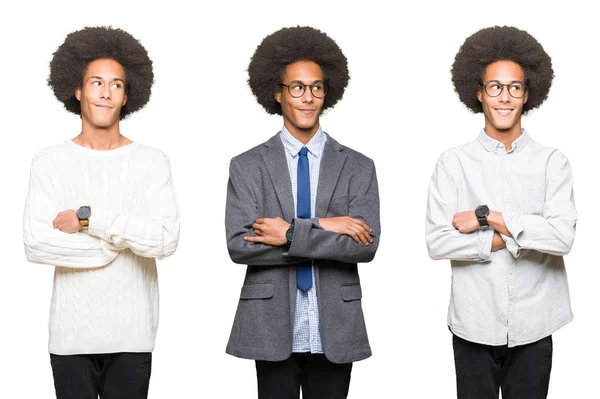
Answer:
(302, 135)
(506, 137)
(101, 139)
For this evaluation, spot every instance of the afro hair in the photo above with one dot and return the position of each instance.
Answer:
(286, 46)
(501, 43)
(80, 48)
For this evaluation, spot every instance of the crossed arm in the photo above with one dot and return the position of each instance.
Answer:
(52, 235)
(254, 239)
(552, 232)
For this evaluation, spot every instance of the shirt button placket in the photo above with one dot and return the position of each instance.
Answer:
(510, 278)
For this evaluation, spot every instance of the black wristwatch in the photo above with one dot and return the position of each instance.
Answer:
(289, 234)
(482, 212)
(83, 214)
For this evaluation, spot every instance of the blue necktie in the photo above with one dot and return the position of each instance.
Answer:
(303, 271)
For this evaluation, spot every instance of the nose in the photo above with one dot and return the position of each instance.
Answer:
(504, 96)
(105, 92)
(308, 97)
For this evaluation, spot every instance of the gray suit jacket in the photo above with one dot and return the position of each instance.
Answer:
(260, 186)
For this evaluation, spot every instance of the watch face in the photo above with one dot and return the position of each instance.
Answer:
(482, 211)
(84, 212)
(289, 234)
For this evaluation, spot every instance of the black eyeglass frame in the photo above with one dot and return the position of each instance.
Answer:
(318, 82)
(503, 85)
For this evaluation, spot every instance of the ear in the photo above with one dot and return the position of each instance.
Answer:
(78, 94)
(480, 95)
(124, 100)
(278, 96)
(526, 97)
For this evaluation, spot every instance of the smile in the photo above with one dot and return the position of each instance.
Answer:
(503, 111)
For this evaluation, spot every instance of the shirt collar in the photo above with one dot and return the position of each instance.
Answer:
(495, 146)
(293, 145)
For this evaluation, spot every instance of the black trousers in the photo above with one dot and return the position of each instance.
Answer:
(110, 375)
(318, 377)
(522, 372)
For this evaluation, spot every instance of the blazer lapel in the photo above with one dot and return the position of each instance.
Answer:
(274, 156)
(329, 171)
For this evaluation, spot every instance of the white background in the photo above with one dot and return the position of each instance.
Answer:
(399, 109)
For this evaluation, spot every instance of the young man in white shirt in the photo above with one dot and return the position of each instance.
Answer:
(501, 208)
(101, 209)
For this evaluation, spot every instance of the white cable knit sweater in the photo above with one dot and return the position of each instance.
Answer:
(105, 296)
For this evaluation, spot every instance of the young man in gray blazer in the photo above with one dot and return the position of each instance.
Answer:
(302, 211)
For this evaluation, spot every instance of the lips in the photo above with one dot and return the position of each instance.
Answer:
(503, 111)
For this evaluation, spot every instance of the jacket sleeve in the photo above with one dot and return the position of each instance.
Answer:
(553, 232)
(43, 243)
(153, 230)
(311, 241)
(240, 214)
(443, 240)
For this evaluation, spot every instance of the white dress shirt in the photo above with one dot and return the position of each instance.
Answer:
(518, 294)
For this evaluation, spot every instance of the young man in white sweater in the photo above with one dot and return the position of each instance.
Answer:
(101, 209)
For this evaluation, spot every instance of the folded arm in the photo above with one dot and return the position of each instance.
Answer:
(313, 240)
(241, 215)
(151, 231)
(45, 244)
(553, 232)
(444, 240)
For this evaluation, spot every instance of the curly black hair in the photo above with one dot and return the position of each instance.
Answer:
(286, 46)
(501, 43)
(80, 48)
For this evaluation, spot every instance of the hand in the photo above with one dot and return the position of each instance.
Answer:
(67, 221)
(270, 231)
(355, 228)
(498, 242)
(465, 221)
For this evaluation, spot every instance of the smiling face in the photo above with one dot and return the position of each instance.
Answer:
(102, 94)
(502, 113)
(301, 115)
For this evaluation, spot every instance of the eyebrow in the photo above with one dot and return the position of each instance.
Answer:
(299, 81)
(513, 81)
(101, 78)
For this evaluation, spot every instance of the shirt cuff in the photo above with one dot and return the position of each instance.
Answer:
(512, 246)
(485, 243)
(513, 224)
(98, 224)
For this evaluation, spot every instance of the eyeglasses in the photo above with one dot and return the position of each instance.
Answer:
(297, 89)
(493, 88)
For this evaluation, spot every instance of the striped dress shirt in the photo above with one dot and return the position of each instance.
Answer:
(307, 337)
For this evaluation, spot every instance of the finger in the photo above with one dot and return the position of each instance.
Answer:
(364, 237)
(260, 220)
(362, 224)
(360, 233)
(353, 232)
